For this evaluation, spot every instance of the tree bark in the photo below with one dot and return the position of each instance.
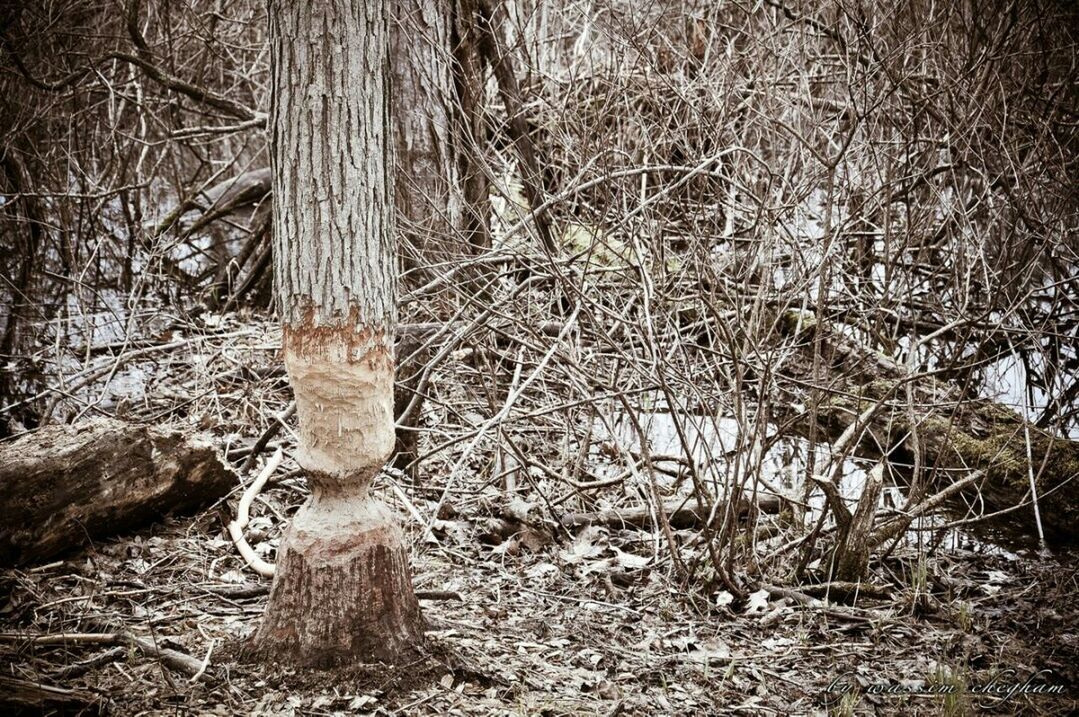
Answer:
(493, 49)
(62, 486)
(342, 590)
(441, 191)
(430, 199)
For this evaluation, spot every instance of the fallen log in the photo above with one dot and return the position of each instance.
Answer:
(62, 486)
(952, 433)
(681, 515)
(186, 664)
(26, 697)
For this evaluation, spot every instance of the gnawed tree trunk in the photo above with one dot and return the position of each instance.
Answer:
(342, 591)
(956, 434)
(62, 486)
(441, 187)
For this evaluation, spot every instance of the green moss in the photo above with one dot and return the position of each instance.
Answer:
(1002, 454)
(796, 321)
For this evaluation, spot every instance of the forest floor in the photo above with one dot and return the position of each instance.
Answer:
(548, 631)
(588, 623)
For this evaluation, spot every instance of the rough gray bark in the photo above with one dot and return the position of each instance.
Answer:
(342, 591)
(62, 486)
(440, 191)
(332, 184)
(430, 198)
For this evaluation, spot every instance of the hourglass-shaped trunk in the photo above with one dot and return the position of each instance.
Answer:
(342, 590)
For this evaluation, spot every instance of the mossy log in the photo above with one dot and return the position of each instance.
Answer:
(62, 486)
(680, 514)
(956, 435)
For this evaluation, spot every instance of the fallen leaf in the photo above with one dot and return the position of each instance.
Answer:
(758, 602)
(584, 546)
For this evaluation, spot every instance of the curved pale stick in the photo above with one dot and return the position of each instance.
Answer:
(236, 527)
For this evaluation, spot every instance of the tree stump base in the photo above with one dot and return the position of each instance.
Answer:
(342, 592)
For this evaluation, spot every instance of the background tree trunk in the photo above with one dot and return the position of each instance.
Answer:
(429, 197)
(441, 189)
(437, 97)
(342, 590)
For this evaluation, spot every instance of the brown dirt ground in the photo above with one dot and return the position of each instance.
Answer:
(542, 632)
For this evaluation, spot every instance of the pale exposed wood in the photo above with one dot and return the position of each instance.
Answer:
(62, 486)
(236, 527)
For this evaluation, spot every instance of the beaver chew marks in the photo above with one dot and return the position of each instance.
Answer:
(345, 408)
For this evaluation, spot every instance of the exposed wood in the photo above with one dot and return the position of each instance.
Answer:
(236, 527)
(63, 486)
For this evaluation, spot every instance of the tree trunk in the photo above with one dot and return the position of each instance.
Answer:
(430, 199)
(441, 191)
(342, 590)
(62, 486)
